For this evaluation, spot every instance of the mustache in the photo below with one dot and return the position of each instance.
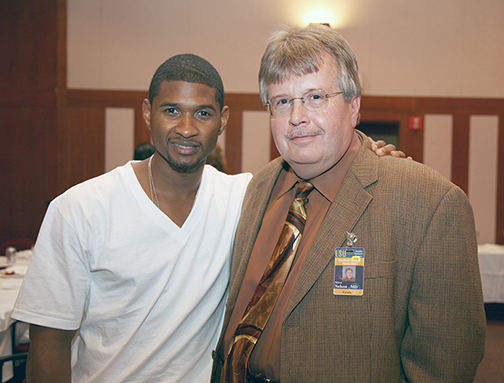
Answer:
(303, 131)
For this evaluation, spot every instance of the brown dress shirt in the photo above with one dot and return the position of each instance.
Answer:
(266, 355)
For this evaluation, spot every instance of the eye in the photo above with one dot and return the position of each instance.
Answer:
(282, 101)
(203, 115)
(315, 99)
(315, 95)
(171, 111)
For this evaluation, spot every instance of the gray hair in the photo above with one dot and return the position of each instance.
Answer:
(296, 51)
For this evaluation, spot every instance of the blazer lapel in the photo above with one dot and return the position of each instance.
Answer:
(344, 213)
(254, 207)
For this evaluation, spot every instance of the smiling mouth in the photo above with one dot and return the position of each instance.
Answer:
(185, 147)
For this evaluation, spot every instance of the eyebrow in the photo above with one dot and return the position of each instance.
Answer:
(306, 91)
(176, 104)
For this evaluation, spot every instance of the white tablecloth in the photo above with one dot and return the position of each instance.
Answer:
(491, 263)
(9, 289)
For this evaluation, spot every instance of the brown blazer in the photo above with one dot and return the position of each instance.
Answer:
(421, 318)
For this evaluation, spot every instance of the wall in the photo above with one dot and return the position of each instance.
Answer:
(30, 84)
(431, 48)
(445, 48)
(85, 69)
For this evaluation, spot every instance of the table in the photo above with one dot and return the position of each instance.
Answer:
(491, 262)
(9, 289)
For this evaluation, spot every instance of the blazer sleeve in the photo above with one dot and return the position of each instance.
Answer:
(444, 336)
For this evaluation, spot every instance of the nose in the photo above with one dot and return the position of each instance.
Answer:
(299, 114)
(186, 127)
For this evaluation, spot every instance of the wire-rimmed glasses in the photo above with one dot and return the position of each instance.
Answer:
(313, 100)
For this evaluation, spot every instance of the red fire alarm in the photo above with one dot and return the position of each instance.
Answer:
(415, 123)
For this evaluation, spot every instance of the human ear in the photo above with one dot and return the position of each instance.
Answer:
(355, 104)
(224, 119)
(146, 112)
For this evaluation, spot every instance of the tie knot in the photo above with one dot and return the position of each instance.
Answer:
(303, 188)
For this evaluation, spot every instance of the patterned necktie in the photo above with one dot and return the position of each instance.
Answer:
(263, 300)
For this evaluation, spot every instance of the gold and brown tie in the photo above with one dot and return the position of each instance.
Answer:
(263, 300)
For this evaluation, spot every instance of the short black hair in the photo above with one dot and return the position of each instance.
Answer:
(188, 68)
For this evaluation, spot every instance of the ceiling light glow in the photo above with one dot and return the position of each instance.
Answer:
(319, 15)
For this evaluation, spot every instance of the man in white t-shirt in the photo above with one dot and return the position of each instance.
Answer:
(129, 275)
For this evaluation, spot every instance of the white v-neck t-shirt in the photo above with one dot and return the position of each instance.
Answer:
(147, 296)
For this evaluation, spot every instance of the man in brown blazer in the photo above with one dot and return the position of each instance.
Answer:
(415, 313)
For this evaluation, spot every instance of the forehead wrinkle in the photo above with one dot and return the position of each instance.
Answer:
(295, 79)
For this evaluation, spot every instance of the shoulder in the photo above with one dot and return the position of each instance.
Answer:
(228, 180)
(396, 173)
(414, 175)
(224, 187)
(268, 173)
(403, 183)
(99, 188)
(262, 184)
(406, 185)
(103, 180)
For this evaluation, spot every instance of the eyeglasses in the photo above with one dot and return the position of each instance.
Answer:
(314, 100)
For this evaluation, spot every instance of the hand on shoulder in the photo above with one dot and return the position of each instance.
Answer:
(381, 148)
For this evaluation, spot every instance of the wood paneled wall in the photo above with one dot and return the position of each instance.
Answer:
(32, 83)
(53, 137)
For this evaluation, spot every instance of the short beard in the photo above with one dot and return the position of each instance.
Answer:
(183, 166)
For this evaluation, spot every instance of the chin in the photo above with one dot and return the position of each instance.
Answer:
(303, 160)
(185, 165)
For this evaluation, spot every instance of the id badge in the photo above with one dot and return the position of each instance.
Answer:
(349, 271)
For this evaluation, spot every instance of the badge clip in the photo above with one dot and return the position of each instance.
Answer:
(351, 238)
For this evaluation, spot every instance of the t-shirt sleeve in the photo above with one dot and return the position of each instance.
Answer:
(56, 285)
